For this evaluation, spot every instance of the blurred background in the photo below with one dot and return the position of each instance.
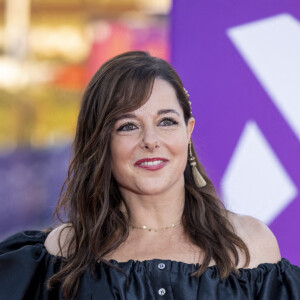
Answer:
(240, 62)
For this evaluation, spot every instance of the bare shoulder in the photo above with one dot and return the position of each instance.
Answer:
(260, 240)
(62, 234)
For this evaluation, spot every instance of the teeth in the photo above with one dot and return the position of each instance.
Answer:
(151, 163)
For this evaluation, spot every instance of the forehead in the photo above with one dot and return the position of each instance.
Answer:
(163, 96)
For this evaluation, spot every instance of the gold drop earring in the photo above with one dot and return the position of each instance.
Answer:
(198, 178)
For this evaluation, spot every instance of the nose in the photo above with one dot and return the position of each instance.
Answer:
(150, 139)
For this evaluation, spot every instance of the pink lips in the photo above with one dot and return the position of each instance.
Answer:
(153, 167)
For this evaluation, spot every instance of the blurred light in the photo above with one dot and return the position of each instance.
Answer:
(66, 42)
(99, 31)
(161, 7)
(16, 26)
(14, 74)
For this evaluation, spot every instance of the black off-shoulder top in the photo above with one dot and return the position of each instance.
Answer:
(25, 266)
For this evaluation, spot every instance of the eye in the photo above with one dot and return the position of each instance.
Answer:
(168, 122)
(127, 127)
(130, 126)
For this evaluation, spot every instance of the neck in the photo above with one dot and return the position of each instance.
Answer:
(155, 211)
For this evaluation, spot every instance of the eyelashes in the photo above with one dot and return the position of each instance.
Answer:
(126, 127)
(130, 126)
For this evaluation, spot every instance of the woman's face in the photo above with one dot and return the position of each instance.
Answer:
(154, 131)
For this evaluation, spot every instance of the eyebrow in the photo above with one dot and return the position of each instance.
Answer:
(160, 112)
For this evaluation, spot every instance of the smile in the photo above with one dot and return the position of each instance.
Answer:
(151, 164)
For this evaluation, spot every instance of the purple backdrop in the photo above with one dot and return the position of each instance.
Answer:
(30, 182)
(238, 60)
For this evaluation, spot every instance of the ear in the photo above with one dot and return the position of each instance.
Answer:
(190, 127)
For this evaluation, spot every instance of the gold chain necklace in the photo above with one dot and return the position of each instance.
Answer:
(173, 225)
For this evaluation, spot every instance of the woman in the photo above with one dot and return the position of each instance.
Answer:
(144, 220)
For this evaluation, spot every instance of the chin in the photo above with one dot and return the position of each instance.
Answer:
(153, 187)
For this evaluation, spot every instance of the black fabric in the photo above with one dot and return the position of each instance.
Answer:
(25, 266)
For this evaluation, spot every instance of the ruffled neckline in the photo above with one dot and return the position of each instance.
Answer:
(190, 265)
(26, 252)
(175, 265)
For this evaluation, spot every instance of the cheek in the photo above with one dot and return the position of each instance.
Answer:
(182, 150)
(182, 153)
(121, 151)
(178, 144)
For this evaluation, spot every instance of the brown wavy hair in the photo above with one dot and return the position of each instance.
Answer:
(90, 194)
